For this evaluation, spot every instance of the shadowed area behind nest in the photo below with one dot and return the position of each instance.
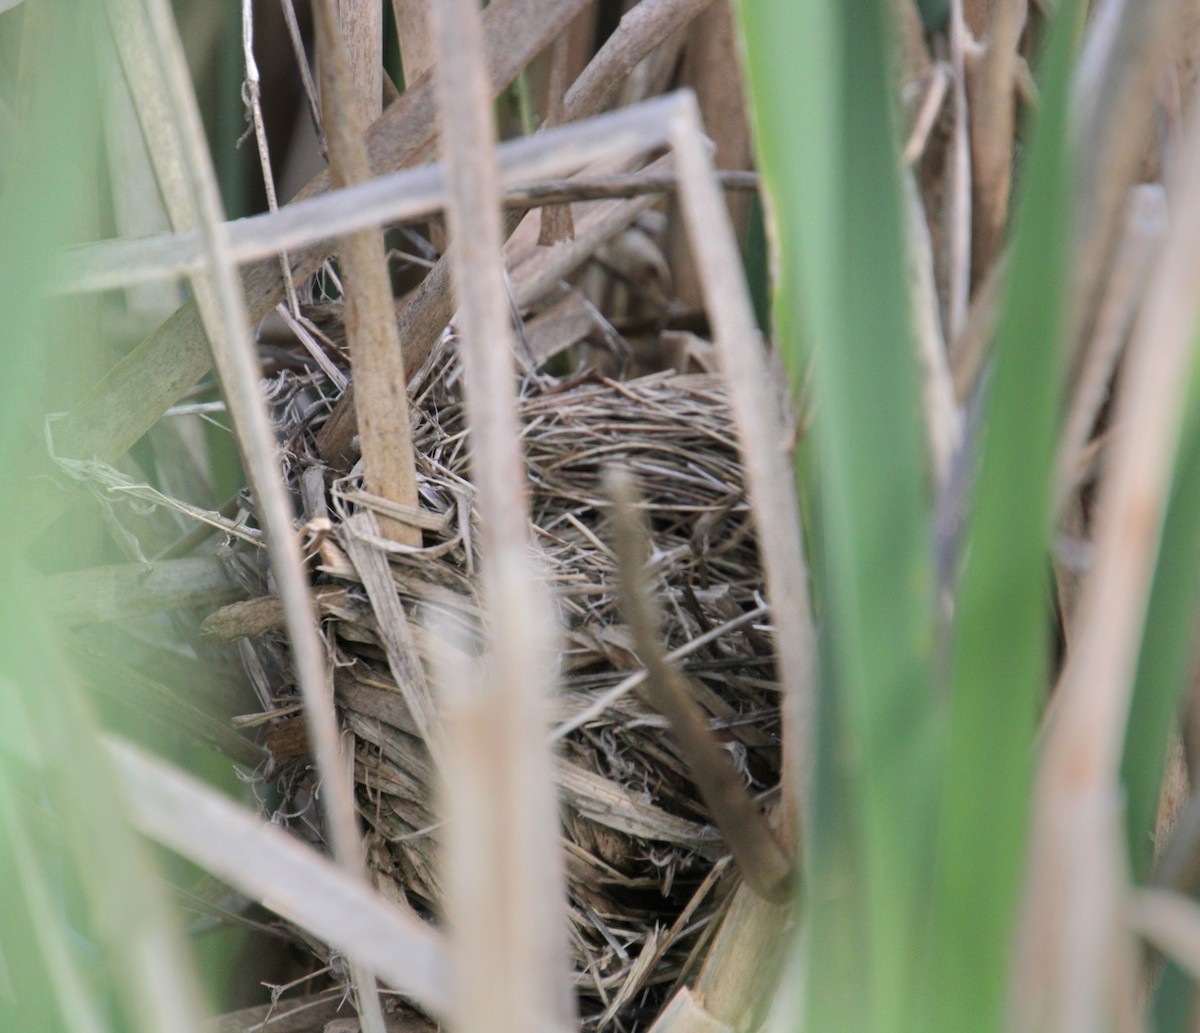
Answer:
(647, 871)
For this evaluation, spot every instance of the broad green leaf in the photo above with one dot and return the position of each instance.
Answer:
(820, 86)
(1000, 651)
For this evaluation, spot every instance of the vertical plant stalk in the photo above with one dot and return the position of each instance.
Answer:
(153, 57)
(361, 23)
(385, 426)
(993, 101)
(958, 195)
(943, 422)
(375, 356)
(556, 223)
(412, 28)
(505, 892)
(760, 425)
(1070, 926)
(712, 68)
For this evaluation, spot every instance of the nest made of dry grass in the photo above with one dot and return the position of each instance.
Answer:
(644, 863)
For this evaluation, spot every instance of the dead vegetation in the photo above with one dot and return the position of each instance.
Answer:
(429, 605)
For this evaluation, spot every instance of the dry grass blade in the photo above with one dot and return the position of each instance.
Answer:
(394, 630)
(1077, 793)
(763, 444)
(385, 427)
(291, 879)
(160, 66)
(764, 864)
(516, 888)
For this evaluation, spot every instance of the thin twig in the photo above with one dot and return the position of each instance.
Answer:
(253, 88)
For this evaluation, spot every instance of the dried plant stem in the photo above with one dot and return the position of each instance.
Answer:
(993, 104)
(400, 197)
(351, 83)
(958, 192)
(765, 866)
(646, 25)
(310, 89)
(556, 222)
(1145, 226)
(741, 971)
(756, 409)
(155, 63)
(507, 905)
(127, 402)
(685, 1014)
(412, 27)
(1069, 924)
(375, 354)
(1118, 74)
(943, 425)
(361, 24)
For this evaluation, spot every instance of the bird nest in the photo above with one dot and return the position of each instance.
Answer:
(647, 871)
